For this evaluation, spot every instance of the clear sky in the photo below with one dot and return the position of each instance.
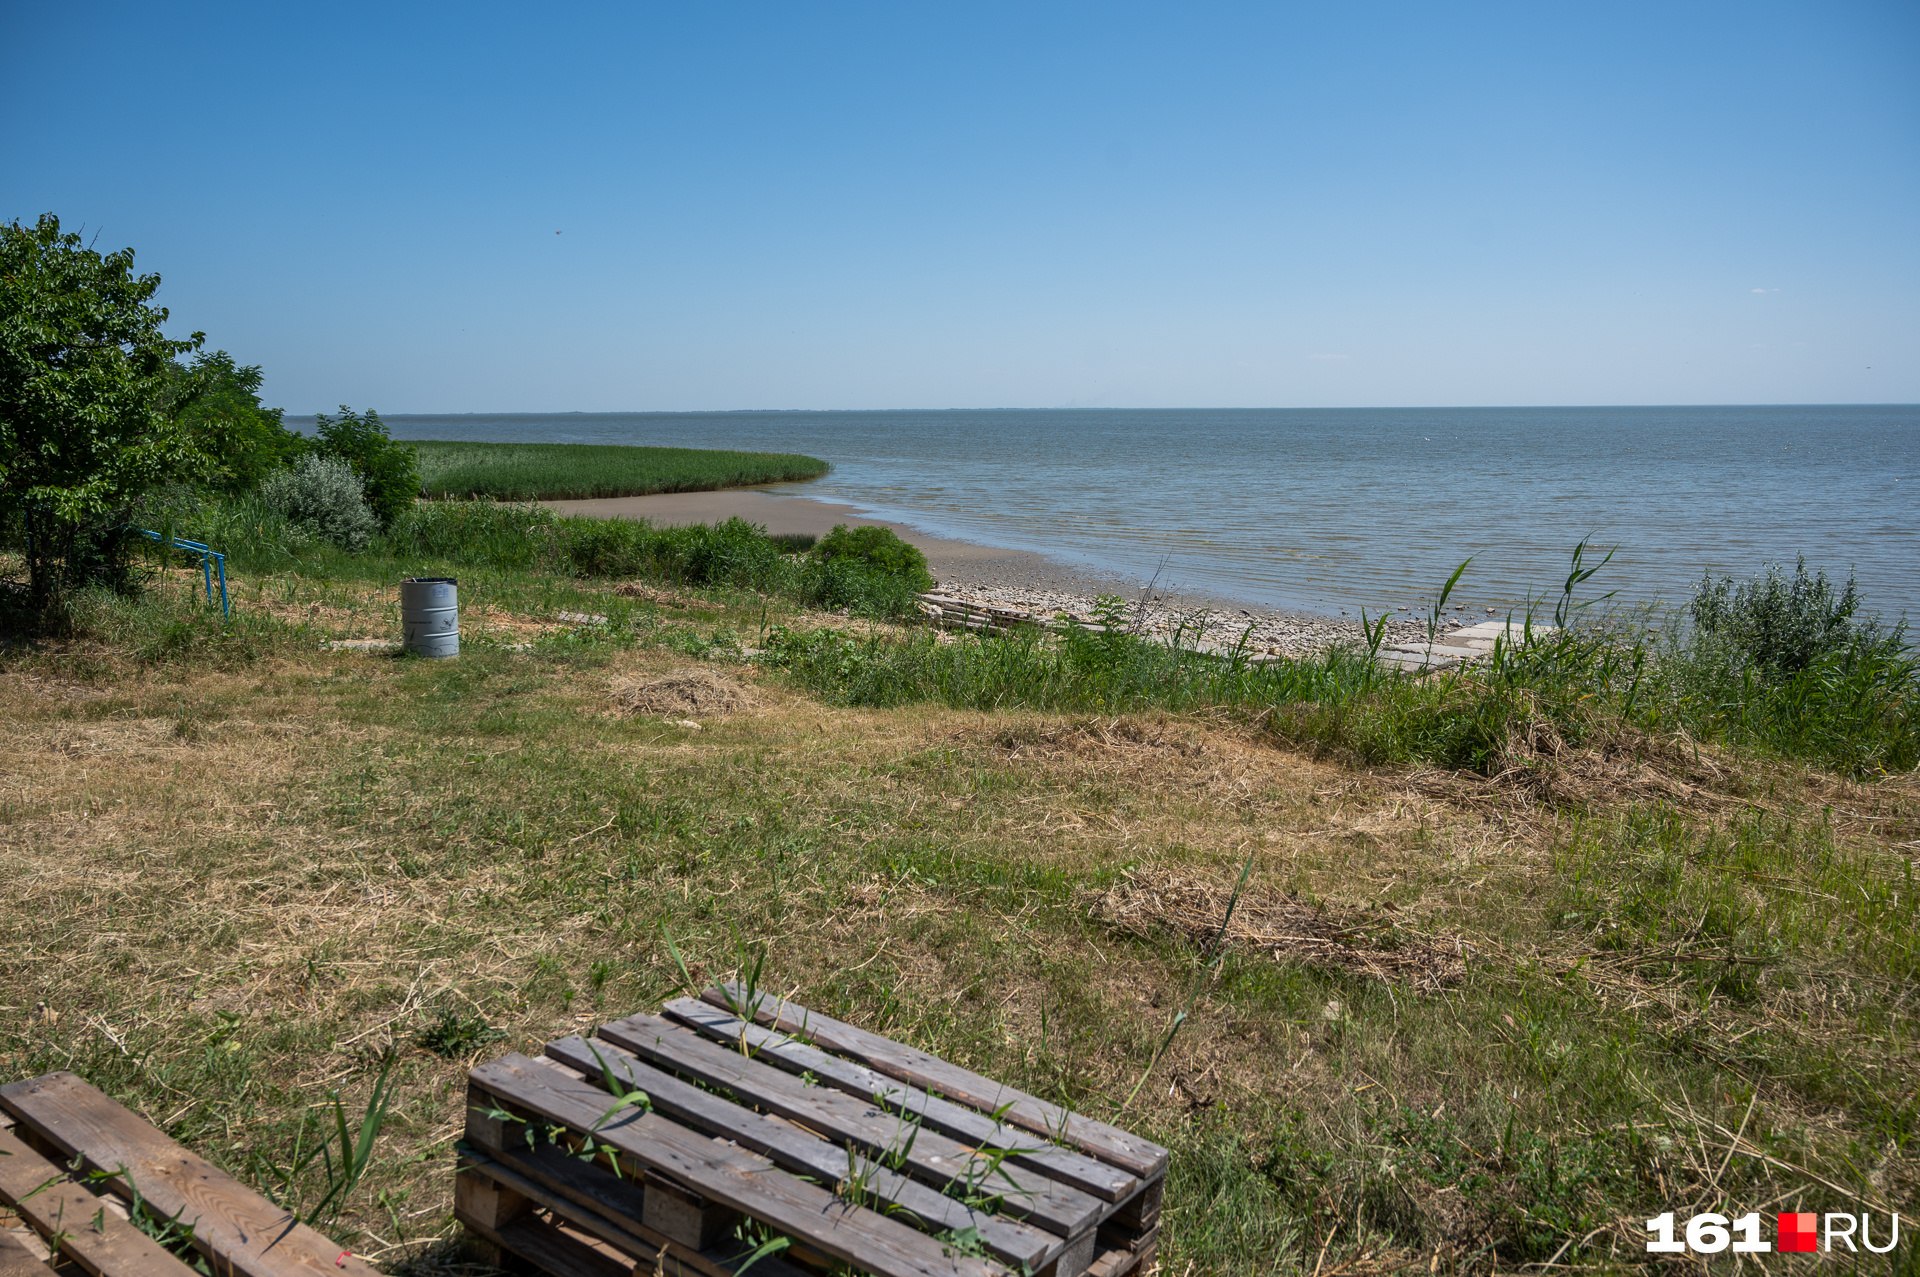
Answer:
(640, 206)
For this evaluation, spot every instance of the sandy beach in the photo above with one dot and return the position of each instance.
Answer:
(997, 575)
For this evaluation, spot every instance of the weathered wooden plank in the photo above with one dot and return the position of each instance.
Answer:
(833, 1114)
(17, 1258)
(75, 1222)
(745, 1181)
(553, 1250)
(573, 1190)
(799, 1153)
(1110, 1144)
(234, 1226)
(770, 1046)
(535, 1177)
(1140, 1210)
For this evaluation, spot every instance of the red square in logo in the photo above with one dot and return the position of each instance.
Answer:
(1796, 1231)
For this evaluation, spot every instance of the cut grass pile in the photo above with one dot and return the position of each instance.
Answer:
(1467, 1021)
(563, 471)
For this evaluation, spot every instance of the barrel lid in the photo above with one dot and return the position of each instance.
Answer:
(431, 580)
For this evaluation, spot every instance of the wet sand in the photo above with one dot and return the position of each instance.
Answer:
(780, 512)
(994, 574)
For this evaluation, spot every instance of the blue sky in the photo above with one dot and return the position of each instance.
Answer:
(1036, 205)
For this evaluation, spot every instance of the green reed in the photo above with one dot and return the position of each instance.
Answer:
(555, 471)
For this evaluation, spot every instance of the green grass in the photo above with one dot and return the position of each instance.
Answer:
(273, 872)
(561, 471)
(531, 542)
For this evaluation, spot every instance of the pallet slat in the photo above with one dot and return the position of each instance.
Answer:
(799, 1153)
(740, 1180)
(615, 1227)
(1108, 1143)
(58, 1209)
(242, 1230)
(1088, 1174)
(17, 1260)
(928, 1156)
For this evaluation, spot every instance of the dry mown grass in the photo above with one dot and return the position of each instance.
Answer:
(227, 891)
(687, 691)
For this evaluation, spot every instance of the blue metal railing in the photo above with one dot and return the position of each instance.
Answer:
(210, 560)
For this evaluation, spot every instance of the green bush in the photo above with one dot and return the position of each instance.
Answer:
(388, 470)
(852, 585)
(734, 553)
(1784, 624)
(878, 549)
(323, 495)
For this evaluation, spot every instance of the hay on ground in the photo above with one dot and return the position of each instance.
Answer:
(683, 692)
(1355, 941)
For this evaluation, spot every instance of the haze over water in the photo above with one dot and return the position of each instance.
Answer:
(1336, 509)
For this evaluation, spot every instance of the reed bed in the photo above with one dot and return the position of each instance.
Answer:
(567, 471)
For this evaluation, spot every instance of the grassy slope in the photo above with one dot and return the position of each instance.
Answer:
(239, 872)
(556, 471)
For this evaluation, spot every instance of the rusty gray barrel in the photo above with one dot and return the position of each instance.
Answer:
(430, 615)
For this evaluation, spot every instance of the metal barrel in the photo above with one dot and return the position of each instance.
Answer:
(430, 615)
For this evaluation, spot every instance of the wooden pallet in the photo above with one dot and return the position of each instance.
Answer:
(783, 1123)
(950, 613)
(71, 1161)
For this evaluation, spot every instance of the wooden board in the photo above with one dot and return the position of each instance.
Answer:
(17, 1258)
(1110, 1144)
(770, 1046)
(932, 1158)
(741, 1180)
(619, 1230)
(552, 1249)
(799, 1153)
(96, 1238)
(233, 1225)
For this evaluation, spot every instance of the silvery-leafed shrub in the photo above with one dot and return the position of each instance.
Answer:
(324, 495)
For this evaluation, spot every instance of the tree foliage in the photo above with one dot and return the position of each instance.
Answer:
(389, 470)
(84, 382)
(218, 402)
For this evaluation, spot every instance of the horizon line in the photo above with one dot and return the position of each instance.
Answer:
(688, 412)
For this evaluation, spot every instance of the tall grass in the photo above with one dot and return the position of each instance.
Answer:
(1851, 708)
(1842, 694)
(555, 471)
(439, 537)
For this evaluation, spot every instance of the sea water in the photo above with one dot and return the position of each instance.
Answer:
(1336, 509)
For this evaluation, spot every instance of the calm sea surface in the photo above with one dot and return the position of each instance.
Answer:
(1338, 509)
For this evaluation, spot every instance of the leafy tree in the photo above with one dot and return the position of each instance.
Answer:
(389, 469)
(84, 379)
(218, 401)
